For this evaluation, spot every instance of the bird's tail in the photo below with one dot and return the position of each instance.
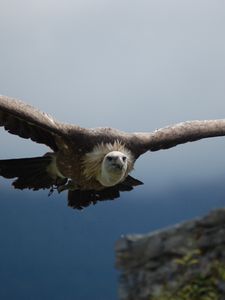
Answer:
(31, 173)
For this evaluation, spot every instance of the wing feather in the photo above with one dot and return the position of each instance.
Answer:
(180, 133)
(28, 122)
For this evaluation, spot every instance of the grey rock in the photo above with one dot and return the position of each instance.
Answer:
(148, 262)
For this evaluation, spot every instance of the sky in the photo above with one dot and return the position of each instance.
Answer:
(132, 65)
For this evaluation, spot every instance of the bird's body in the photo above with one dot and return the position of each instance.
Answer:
(92, 164)
(87, 171)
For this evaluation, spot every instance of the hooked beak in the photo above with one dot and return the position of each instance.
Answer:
(117, 166)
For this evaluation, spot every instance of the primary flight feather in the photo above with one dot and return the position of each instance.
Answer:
(92, 164)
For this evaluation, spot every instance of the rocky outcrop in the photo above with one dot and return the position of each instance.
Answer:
(170, 262)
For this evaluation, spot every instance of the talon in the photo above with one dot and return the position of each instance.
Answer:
(51, 191)
(68, 186)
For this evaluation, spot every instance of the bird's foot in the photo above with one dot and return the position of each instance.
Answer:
(68, 186)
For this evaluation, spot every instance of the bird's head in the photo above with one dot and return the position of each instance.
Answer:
(113, 168)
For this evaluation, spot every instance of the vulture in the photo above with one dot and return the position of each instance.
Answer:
(91, 164)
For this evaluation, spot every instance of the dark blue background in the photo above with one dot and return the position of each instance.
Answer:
(50, 251)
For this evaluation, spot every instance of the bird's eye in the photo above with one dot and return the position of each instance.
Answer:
(109, 158)
(124, 158)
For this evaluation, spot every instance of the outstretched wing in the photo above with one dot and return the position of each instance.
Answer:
(180, 133)
(28, 122)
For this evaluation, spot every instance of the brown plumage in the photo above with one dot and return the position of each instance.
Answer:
(83, 159)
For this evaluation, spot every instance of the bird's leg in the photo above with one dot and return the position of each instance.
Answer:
(60, 182)
(68, 186)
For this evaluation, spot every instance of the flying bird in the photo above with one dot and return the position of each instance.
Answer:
(91, 164)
